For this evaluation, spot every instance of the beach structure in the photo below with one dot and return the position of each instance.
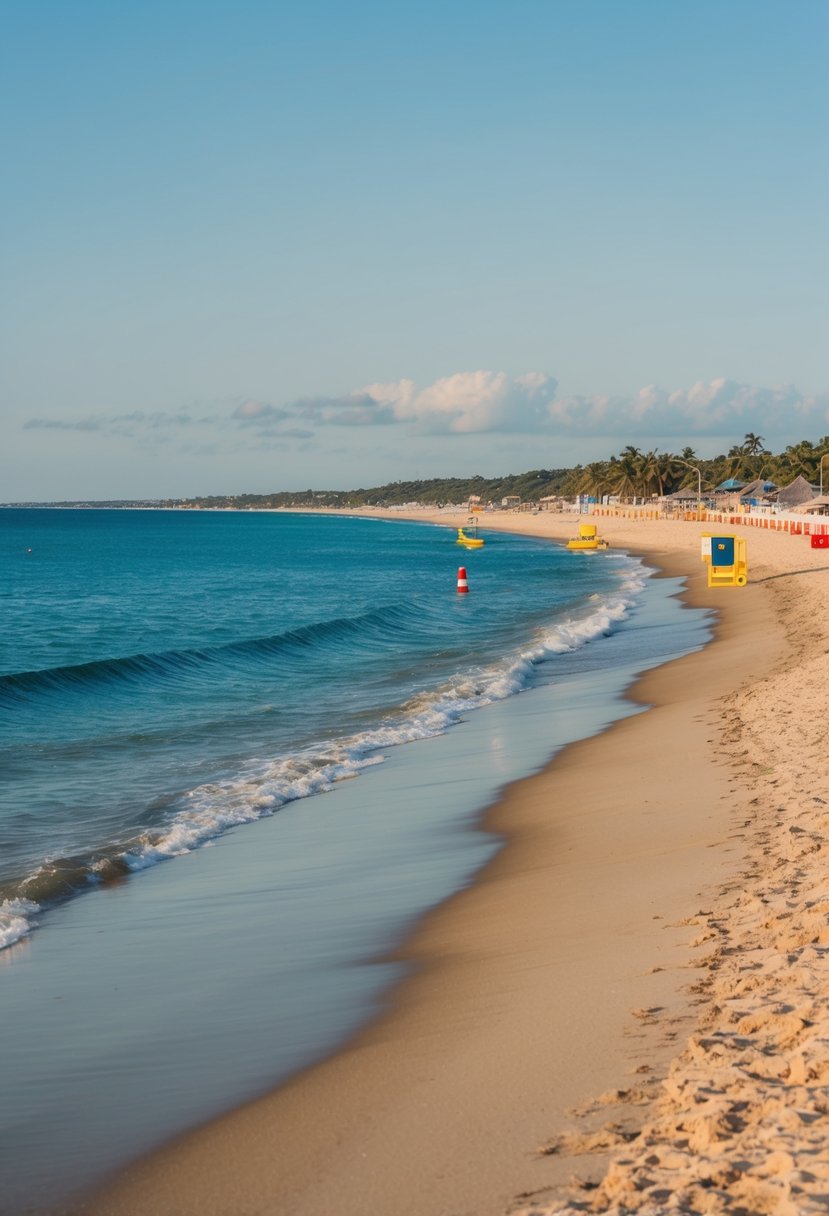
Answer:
(818, 506)
(469, 542)
(757, 492)
(725, 557)
(587, 540)
(468, 536)
(796, 493)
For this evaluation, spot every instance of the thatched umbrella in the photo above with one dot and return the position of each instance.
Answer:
(796, 493)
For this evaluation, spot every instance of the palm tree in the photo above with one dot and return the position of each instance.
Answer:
(594, 479)
(670, 470)
(802, 458)
(738, 463)
(754, 445)
(650, 473)
(748, 458)
(626, 472)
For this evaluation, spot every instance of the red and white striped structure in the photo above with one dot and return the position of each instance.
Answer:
(463, 585)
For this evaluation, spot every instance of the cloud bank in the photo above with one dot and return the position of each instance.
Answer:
(117, 423)
(486, 402)
(718, 408)
(490, 403)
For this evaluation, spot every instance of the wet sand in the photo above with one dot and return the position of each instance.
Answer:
(628, 953)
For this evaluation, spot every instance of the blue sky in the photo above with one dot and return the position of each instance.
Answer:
(262, 246)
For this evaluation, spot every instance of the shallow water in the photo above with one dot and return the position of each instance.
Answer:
(140, 1008)
(165, 676)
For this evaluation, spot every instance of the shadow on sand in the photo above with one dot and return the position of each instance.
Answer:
(790, 574)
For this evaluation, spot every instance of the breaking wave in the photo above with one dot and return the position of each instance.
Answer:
(260, 787)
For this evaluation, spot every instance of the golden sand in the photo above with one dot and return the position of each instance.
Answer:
(636, 989)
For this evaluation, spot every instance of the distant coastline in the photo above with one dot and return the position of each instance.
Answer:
(632, 476)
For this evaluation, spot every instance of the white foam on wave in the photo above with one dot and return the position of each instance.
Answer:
(16, 920)
(265, 786)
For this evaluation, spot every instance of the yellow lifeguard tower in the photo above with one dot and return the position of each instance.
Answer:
(726, 560)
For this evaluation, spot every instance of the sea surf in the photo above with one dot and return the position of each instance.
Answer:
(196, 689)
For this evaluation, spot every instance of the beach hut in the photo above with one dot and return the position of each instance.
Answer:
(818, 506)
(757, 492)
(796, 493)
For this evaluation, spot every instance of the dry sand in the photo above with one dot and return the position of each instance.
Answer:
(636, 989)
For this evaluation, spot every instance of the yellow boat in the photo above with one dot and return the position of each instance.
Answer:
(588, 539)
(470, 542)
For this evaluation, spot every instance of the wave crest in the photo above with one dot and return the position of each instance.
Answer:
(261, 788)
(172, 666)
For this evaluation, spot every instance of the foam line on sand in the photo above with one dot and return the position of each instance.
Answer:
(634, 990)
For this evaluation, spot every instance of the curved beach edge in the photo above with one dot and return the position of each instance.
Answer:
(559, 1007)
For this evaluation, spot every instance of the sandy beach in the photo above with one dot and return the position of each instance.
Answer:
(632, 994)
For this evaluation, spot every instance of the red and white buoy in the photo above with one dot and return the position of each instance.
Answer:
(463, 585)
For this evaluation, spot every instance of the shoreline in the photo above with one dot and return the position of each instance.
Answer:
(519, 1005)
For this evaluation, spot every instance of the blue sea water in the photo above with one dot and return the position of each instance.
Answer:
(175, 684)
(167, 675)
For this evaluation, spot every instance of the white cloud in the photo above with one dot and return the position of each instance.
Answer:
(470, 402)
(464, 403)
(718, 408)
(492, 402)
(398, 395)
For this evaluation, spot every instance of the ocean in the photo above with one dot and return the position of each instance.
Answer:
(195, 899)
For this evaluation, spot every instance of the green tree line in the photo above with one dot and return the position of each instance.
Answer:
(630, 473)
(642, 474)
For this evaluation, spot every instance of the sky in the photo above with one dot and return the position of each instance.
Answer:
(267, 246)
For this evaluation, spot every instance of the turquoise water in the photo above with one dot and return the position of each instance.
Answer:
(180, 688)
(166, 675)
